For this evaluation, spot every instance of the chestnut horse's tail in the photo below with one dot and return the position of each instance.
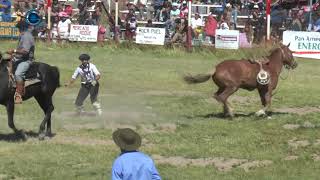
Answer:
(199, 78)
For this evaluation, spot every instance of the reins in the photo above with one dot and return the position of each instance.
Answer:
(281, 77)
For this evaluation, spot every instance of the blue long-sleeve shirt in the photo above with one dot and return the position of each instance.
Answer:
(134, 166)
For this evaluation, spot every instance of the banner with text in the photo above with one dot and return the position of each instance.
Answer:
(227, 39)
(146, 35)
(83, 33)
(8, 30)
(304, 44)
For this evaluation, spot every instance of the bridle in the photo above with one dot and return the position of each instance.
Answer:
(284, 55)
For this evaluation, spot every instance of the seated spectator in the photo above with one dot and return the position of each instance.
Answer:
(132, 164)
(184, 9)
(223, 24)
(296, 23)
(54, 30)
(5, 8)
(170, 23)
(181, 31)
(64, 25)
(210, 28)
(196, 24)
(164, 14)
(141, 6)
(149, 23)
(90, 20)
(175, 11)
(316, 25)
(68, 8)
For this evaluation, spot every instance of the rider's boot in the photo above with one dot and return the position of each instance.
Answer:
(19, 92)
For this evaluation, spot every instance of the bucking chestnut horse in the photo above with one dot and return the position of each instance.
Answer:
(230, 75)
(46, 80)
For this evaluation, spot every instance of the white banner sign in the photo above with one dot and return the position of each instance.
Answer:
(227, 39)
(147, 35)
(83, 33)
(304, 44)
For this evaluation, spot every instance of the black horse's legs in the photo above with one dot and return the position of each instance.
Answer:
(47, 107)
(10, 112)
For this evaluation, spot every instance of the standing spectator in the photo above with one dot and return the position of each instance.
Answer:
(131, 28)
(132, 164)
(64, 26)
(101, 34)
(96, 15)
(111, 22)
(210, 28)
(89, 84)
(157, 8)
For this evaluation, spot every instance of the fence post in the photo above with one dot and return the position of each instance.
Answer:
(268, 19)
(116, 27)
(189, 34)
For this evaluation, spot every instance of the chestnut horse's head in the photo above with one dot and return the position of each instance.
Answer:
(287, 57)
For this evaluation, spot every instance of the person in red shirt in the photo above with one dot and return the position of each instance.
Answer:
(210, 28)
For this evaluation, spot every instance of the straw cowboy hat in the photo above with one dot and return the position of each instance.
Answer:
(127, 139)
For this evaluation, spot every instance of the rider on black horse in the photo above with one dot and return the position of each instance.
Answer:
(24, 56)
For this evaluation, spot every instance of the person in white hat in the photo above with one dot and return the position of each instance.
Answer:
(64, 25)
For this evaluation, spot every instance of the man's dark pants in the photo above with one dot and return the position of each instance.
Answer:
(84, 91)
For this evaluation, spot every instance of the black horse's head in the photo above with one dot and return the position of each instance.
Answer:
(287, 57)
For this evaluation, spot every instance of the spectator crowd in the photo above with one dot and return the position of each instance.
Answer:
(169, 14)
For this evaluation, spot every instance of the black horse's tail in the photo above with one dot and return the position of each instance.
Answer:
(56, 74)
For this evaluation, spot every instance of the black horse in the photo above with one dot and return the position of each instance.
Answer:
(41, 91)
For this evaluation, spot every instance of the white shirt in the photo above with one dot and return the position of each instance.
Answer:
(87, 74)
(224, 26)
(64, 26)
(196, 22)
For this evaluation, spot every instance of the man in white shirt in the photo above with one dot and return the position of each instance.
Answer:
(196, 21)
(64, 25)
(196, 24)
(89, 83)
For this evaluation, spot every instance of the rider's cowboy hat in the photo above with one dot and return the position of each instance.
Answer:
(127, 139)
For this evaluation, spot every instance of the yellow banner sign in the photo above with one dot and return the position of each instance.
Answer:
(9, 30)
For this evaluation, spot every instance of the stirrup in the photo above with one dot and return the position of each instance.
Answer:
(17, 98)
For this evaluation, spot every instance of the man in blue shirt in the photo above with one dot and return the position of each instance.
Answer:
(132, 164)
